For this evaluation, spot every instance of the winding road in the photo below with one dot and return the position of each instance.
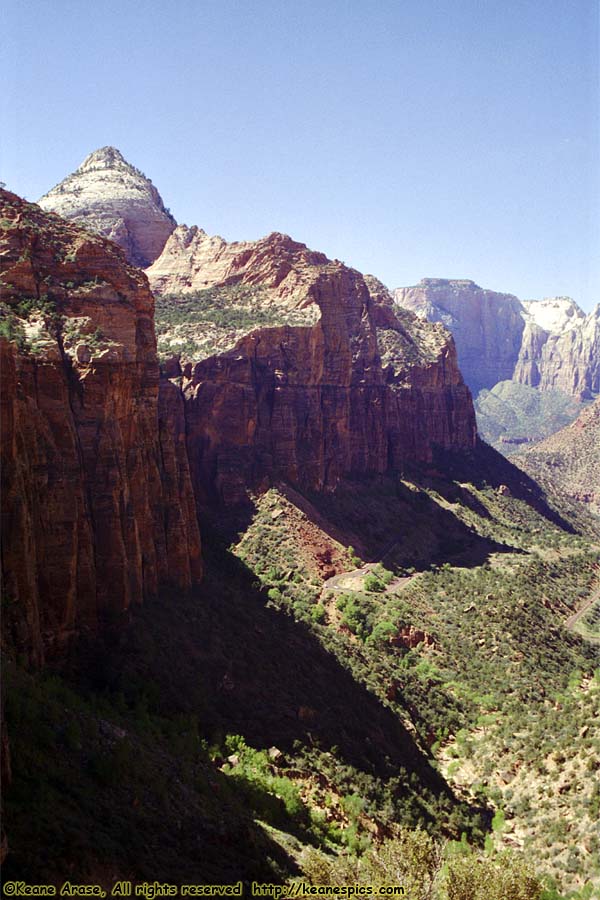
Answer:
(572, 621)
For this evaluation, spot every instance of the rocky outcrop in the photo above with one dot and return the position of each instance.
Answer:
(98, 509)
(193, 261)
(114, 199)
(410, 637)
(547, 344)
(357, 389)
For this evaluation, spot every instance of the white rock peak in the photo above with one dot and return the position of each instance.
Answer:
(110, 196)
(554, 314)
(104, 158)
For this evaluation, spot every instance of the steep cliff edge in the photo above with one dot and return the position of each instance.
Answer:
(98, 507)
(487, 326)
(560, 353)
(548, 344)
(336, 383)
(111, 197)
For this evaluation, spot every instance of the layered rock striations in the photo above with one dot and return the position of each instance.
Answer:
(566, 358)
(114, 199)
(358, 388)
(547, 344)
(97, 503)
(487, 326)
(104, 461)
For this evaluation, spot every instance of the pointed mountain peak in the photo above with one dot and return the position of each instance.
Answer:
(104, 158)
(110, 196)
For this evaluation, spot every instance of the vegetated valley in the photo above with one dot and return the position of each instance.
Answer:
(281, 721)
(386, 676)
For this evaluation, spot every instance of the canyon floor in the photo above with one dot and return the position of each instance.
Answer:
(309, 700)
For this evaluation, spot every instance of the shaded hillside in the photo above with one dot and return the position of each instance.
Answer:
(301, 715)
(569, 461)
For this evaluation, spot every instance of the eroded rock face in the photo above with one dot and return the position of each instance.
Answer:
(547, 344)
(114, 199)
(567, 359)
(358, 389)
(98, 507)
(487, 326)
(193, 260)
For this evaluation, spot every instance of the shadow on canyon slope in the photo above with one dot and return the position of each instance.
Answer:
(486, 467)
(403, 523)
(246, 668)
(384, 519)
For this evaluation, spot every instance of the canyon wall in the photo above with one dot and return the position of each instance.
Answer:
(567, 359)
(105, 461)
(359, 388)
(97, 502)
(548, 344)
(487, 326)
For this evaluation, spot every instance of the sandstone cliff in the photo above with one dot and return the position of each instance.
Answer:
(548, 344)
(487, 326)
(336, 383)
(565, 354)
(97, 504)
(109, 196)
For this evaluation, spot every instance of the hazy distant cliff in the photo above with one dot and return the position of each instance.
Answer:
(560, 348)
(550, 344)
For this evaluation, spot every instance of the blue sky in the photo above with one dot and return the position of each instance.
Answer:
(410, 138)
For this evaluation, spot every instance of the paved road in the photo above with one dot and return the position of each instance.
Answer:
(353, 581)
(574, 619)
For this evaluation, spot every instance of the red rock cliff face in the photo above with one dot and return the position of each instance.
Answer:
(359, 389)
(97, 502)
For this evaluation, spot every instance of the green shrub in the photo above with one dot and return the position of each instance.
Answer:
(373, 584)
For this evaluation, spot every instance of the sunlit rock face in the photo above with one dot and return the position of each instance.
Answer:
(561, 348)
(549, 344)
(114, 199)
(487, 326)
(341, 383)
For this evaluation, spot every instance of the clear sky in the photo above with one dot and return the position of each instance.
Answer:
(408, 138)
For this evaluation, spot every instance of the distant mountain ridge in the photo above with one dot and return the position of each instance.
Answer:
(549, 344)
